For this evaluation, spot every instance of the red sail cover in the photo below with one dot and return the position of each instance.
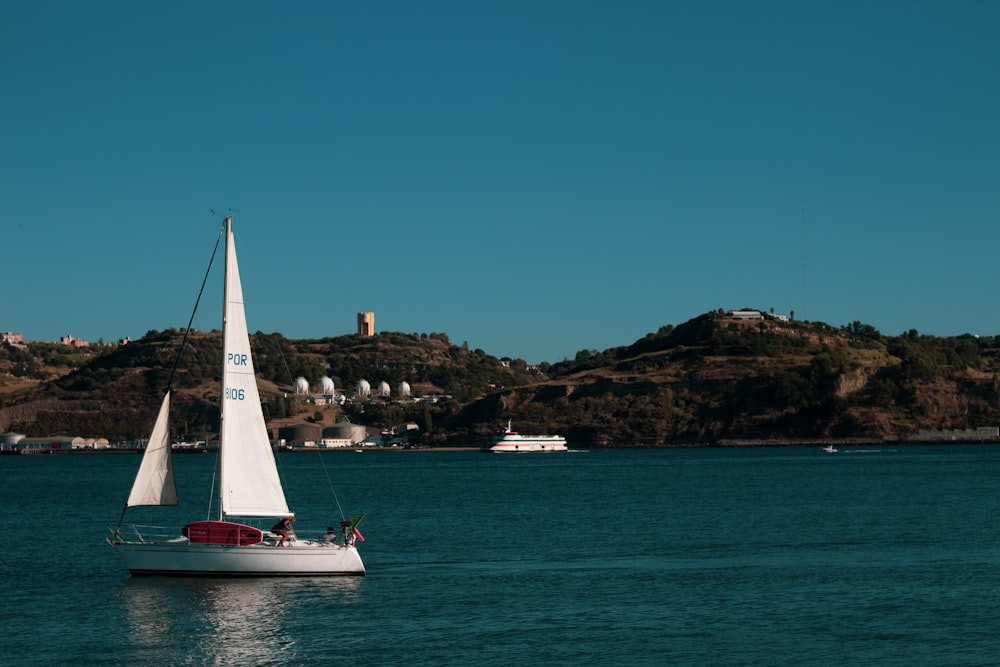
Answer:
(222, 532)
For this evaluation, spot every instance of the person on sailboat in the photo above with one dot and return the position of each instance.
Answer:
(347, 528)
(283, 528)
(330, 535)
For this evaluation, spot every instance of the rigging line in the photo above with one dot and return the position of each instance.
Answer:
(329, 482)
(281, 354)
(180, 350)
(218, 455)
(187, 332)
(211, 491)
(275, 453)
(281, 468)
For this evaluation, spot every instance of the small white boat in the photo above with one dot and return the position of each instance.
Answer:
(830, 449)
(249, 488)
(510, 441)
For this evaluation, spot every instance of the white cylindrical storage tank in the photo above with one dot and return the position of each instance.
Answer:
(301, 385)
(404, 389)
(11, 439)
(383, 388)
(300, 433)
(325, 386)
(364, 389)
(340, 430)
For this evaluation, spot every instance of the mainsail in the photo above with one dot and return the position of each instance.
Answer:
(249, 482)
(154, 483)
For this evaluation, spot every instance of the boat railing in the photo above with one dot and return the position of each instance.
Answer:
(131, 532)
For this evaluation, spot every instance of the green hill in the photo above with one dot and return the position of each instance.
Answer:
(711, 380)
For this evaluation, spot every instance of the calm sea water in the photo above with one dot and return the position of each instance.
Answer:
(692, 557)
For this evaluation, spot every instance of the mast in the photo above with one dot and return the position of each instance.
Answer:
(225, 351)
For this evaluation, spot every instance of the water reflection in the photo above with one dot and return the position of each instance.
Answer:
(234, 621)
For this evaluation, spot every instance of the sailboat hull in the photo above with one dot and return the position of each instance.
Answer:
(183, 558)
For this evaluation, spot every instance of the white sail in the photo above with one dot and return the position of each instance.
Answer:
(154, 483)
(249, 483)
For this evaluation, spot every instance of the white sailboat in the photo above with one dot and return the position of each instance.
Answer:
(249, 485)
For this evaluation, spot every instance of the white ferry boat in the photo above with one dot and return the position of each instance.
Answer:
(509, 441)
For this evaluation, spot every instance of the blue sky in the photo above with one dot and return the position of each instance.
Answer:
(532, 178)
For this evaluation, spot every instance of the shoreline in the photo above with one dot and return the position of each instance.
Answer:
(297, 450)
(725, 444)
